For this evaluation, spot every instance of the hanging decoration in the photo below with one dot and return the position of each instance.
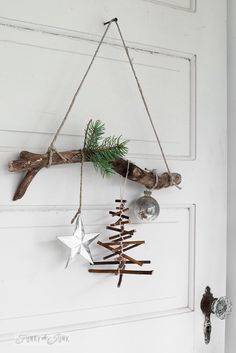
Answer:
(32, 163)
(107, 156)
(79, 242)
(146, 208)
(120, 243)
(100, 151)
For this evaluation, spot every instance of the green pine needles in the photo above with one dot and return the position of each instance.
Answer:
(100, 150)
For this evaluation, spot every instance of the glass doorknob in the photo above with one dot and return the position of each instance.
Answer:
(220, 307)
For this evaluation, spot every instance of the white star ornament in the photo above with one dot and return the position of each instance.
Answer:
(79, 242)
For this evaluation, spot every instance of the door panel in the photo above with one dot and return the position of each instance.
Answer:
(180, 57)
(187, 5)
(57, 59)
(38, 227)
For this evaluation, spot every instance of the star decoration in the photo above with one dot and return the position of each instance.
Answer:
(79, 242)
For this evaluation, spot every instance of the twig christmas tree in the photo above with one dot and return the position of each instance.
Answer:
(119, 245)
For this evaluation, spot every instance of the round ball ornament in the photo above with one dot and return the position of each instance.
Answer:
(146, 208)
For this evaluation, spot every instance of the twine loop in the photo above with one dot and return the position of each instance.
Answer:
(173, 182)
(154, 171)
(51, 150)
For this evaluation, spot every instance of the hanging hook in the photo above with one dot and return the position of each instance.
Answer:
(115, 19)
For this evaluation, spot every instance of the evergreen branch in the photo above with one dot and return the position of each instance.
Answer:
(102, 151)
(94, 133)
(86, 132)
(102, 165)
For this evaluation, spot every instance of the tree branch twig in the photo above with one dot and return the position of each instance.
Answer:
(32, 163)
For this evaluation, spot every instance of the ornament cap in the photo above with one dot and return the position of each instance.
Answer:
(147, 193)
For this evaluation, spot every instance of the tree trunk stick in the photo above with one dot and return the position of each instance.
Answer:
(25, 182)
(132, 260)
(96, 263)
(118, 252)
(31, 163)
(124, 243)
(130, 272)
(122, 268)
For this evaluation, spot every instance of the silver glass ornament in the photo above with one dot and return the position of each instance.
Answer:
(146, 208)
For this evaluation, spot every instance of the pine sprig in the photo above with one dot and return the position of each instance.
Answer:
(93, 134)
(102, 151)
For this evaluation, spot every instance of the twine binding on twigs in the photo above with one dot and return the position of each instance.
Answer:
(120, 258)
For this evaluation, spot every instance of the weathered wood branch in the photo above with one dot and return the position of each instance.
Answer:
(32, 163)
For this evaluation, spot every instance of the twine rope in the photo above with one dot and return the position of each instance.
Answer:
(81, 188)
(52, 149)
(81, 177)
(122, 192)
(123, 188)
(172, 181)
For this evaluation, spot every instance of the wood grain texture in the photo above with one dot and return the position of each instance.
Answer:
(32, 163)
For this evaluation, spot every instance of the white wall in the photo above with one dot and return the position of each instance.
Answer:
(231, 283)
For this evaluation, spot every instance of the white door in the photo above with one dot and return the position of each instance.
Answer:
(178, 49)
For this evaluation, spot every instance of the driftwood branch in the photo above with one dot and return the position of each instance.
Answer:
(32, 163)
